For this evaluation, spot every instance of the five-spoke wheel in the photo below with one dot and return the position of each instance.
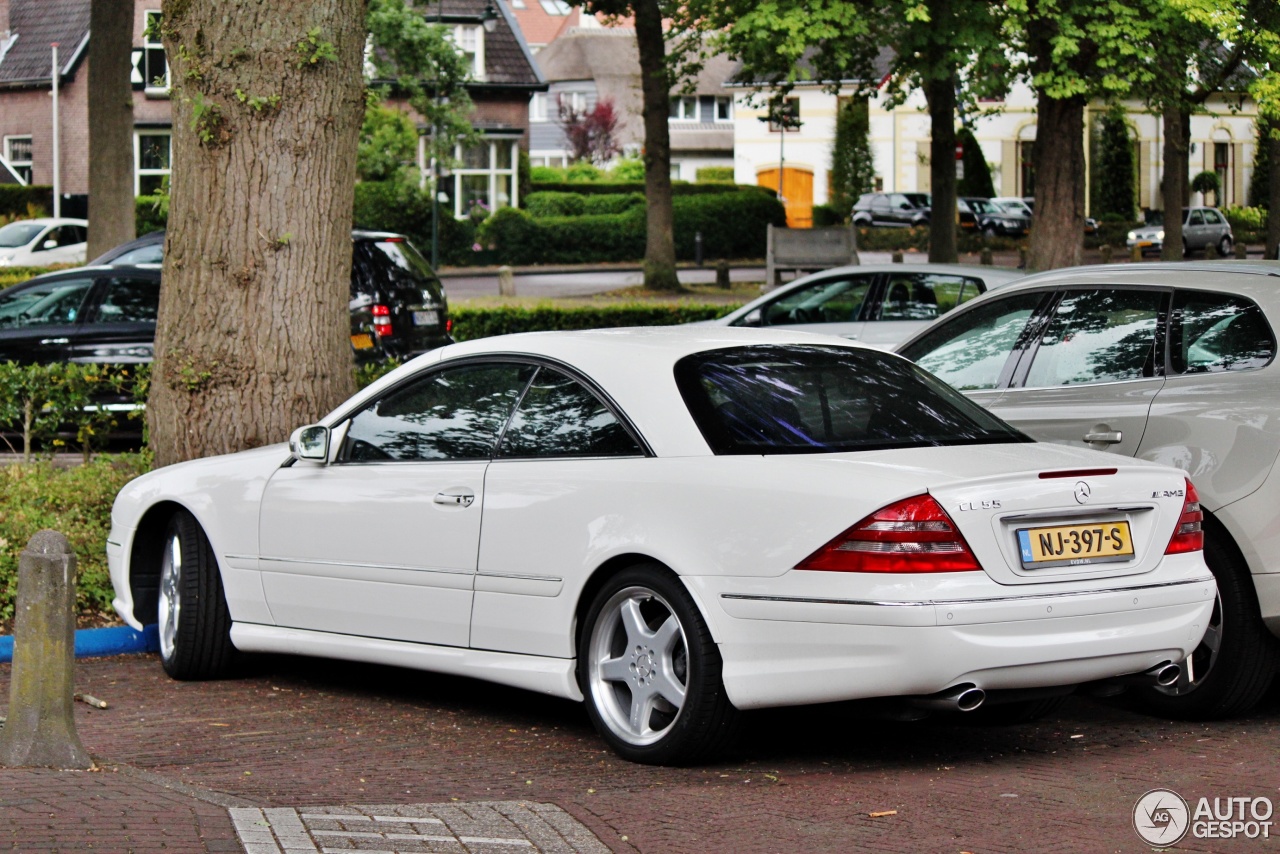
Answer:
(194, 624)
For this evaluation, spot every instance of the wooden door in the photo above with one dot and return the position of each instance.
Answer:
(797, 193)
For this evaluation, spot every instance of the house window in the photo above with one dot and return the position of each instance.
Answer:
(684, 108)
(17, 150)
(555, 7)
(485, 176)
(788, 115)
(724, 108)
(155, 69)
(152, 161)
(469, 39)
(538, 107)
(1222, 168)
(575, 102)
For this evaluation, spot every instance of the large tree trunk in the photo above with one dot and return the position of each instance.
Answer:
(1057, 233)
(252, 338)
(660, 246)
(941, 97)
(111, 208)
(1173, 184)
(1273, 191)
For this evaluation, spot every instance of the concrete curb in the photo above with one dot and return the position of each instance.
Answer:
(92, 643)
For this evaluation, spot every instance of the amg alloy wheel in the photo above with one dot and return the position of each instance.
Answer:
(195, 626)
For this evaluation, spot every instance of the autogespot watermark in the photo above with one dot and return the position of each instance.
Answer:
(1163, 817)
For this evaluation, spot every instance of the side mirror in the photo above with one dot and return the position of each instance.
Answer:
(310, 443)
(755, 317)
(49, 244)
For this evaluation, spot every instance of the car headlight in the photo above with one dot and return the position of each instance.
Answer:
(1160, 234)
(1133, 235)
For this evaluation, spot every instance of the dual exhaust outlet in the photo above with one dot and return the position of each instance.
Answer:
(968, 697)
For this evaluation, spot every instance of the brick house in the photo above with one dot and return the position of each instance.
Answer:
(505, 77)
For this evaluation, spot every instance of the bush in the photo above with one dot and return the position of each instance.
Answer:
(471, 323)
(732, 224)
(76, 502)
(630, 169)
(552, 203)
(678, 188)
(1249, 225)
(403, 208)
(546, 175)
(583, 170)
(151, 213)
(826, 215)
(41, 402)
(714, 174)
(612, 203)
(18, 201)
(14, 275)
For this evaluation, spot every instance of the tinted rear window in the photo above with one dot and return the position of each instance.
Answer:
(798, 399)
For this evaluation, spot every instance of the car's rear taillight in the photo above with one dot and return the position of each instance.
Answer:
(448, 325)
(381, 319)
(1188, 536)
(912, 535)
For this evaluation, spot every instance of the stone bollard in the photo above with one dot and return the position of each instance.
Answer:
(41, 729)
(722, 274)
(897, 257)
(1135, 255)
(506, 282)
(1242, 251)
(988, 259)
(1105, 249)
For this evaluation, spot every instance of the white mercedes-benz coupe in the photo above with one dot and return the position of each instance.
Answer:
(673, 525)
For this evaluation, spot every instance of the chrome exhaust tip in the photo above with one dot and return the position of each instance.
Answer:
(962, 698)
(1165, 675)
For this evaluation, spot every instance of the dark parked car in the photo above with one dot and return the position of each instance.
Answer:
(978, 215)
(895, 209)
(398, 306)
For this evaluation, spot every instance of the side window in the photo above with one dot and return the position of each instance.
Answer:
(45, 304)
(923, 296)
(1218, 332)
(451, 414)
(1212, 217)
(1098, 336)
(129, 301)
(971, 350)
(560, 417)
(828, 301)
(1196, 218)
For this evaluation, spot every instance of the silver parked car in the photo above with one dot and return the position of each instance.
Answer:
(1173, 363)
(1202, 228)
(881, 305)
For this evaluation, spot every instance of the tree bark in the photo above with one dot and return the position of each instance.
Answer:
(660, 246)
(1273, 191)
(1173, 183)
(252, 337)
(1057, 233)
(941, 97)
(111, 205)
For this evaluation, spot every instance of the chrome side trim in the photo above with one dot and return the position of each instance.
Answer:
(364, 565)
(932, 602)
(1071, 512)
(518, 577)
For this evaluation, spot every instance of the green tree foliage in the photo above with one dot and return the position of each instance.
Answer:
(977, 174)
(1114, 172)
(852, 168)
(388, 143)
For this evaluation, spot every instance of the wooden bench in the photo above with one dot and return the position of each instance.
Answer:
(808, 250)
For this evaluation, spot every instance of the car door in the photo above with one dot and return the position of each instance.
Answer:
(382, 542)
(120, 328)
(38, 320)
(1193, 233)
(834, 305)
(977, 348)
(1091, 374)
(908, 302)
(563, 456)
(61, 244)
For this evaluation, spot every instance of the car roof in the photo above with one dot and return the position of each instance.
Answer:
(147, 271)
(50, 220)
(1258, 280)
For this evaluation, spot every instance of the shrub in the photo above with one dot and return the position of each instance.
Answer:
(826, 215)
(1206, 182)
(18, 201)
(546, 175)
(629, 169)
(1249, 225)
(76, 502)
(44, 401)
(151, 213)
(583, 170)
(553, 203)
(613, 203)
(471, 323)
(403, 208)
(714, 174)
(677, 188)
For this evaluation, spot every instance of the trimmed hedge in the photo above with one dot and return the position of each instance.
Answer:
(732, 224)
(470, 323)
(826, 215)
(16, 200)
(403, 208)
(15, 275)
(613, 203)
(552, 203)
(719, 174)
(678, 188)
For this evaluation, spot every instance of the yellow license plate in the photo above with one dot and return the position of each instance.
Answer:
(362, 342)
(1075, 545)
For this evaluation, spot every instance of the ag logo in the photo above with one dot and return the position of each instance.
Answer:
(1161, 817)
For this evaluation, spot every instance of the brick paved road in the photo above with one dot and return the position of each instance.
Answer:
(306, 737)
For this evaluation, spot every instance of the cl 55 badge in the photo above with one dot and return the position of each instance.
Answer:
(993, 504)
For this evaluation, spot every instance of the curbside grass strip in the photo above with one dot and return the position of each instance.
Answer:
(95, 643)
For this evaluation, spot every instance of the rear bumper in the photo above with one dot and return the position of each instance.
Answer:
(781, 649)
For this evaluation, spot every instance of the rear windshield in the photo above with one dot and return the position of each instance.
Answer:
(797, 399)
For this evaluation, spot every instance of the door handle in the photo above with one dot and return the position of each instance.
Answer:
(1109, 437)
(455, 498)
(55, 340)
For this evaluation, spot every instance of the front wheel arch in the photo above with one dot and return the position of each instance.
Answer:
(144, 559)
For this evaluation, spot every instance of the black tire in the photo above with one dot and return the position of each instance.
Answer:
(704, 723)
(1224, 246)
(195, 625)
(1234, 665)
